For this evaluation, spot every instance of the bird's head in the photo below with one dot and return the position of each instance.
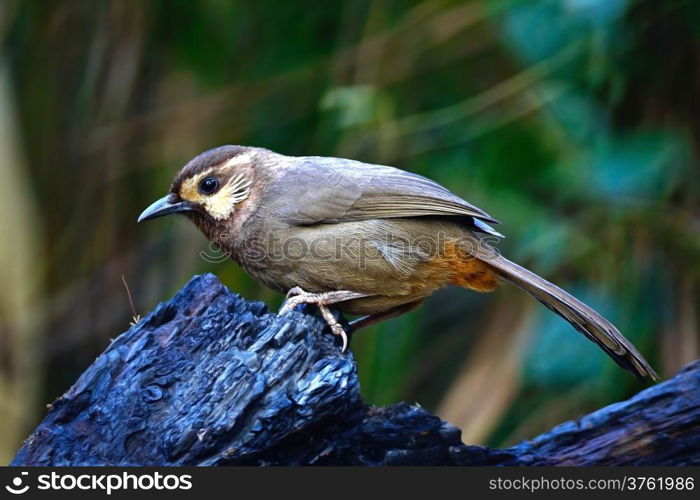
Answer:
(210, 188)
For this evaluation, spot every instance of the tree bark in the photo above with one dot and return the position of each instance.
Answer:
(209, 378)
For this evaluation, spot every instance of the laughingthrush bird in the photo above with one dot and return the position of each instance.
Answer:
(368, 240)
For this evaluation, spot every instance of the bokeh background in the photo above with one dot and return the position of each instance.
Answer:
(575, 122)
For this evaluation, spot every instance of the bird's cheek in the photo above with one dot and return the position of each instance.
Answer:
(219, 208)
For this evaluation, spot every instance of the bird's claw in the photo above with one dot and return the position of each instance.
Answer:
(297, 296)
(297, 290)
(335, 326)
(340, 331)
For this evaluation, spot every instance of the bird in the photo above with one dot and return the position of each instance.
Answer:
(371, 241)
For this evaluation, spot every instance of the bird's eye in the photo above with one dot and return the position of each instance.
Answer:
(209, 185)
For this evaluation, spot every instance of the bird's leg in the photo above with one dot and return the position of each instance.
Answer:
(297, 296)
(371, 319)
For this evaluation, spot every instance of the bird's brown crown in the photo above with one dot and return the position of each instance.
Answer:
(216, 181)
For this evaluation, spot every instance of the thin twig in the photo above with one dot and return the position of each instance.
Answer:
(135, 318)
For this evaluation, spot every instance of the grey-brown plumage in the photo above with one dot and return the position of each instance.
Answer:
(367, 239)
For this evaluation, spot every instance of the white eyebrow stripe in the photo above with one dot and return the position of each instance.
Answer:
(241, 159)
(233, 162)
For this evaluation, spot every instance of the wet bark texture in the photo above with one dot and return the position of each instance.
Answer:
(209, 378)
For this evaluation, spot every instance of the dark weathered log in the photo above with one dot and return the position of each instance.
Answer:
(209, 378)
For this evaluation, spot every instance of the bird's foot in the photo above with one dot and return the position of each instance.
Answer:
(297, 296)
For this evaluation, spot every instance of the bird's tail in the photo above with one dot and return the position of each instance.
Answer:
(583, 318)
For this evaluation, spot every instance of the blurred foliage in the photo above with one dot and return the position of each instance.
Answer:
(575, 122)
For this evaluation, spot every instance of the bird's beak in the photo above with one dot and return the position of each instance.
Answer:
(164, 207)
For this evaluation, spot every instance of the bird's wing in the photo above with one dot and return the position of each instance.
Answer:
(331, 190)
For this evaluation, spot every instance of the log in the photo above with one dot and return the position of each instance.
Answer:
(209, 378)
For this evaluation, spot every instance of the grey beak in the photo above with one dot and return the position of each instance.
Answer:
(164, 207)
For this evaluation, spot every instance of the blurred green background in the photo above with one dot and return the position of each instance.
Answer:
(575, 122)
